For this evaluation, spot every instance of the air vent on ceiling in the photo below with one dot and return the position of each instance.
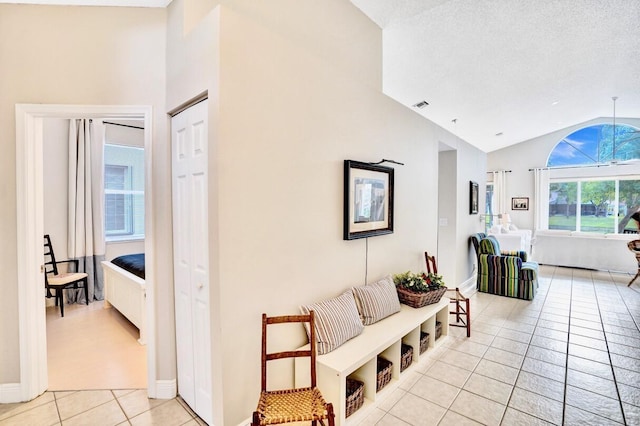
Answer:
(421, 104)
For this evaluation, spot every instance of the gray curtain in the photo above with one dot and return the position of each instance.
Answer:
(86, 236)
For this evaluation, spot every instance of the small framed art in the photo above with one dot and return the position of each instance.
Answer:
(520, 203)
(473, 197)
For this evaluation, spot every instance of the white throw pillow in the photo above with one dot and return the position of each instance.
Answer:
(336, 321)
(377, 301)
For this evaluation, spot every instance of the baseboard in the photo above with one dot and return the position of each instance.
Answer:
(166, 389)
(10, 392)
(246, 422)
(468, 287)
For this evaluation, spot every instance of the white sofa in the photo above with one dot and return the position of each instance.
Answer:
(590, 250)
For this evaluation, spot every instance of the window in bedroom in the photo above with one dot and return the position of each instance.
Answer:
(123, 192)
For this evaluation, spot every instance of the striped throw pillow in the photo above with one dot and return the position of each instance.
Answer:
(377, 301)
(336, 321)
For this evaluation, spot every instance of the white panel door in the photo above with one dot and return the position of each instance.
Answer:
(191, 257)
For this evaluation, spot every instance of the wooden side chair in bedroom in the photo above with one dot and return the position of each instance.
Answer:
(59, 281)
(291, 405)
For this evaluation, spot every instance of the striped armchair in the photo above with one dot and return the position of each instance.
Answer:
(505, 275)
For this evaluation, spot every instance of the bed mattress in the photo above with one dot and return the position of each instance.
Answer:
(133, 263)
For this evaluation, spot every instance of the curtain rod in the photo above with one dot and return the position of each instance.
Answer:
(493, 171)
(581, 167)
(123, 125)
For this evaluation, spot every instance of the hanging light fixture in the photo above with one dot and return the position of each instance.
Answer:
(613, 157)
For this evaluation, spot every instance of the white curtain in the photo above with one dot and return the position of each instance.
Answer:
(541, 199)
(86, 237)
(499, 201)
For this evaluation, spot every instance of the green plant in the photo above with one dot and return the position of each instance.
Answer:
(418, 282)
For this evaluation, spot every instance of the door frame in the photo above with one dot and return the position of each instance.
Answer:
(30, 228)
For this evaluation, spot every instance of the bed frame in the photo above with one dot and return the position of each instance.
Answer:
(125, 292)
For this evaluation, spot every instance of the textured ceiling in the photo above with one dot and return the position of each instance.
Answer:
(519, 68)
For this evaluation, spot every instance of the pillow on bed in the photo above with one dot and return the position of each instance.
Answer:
(377, 301)
(336, 321)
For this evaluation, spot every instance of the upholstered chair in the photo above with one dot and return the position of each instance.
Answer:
(476, 238)
(505, 275)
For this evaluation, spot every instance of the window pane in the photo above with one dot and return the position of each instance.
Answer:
(596, 144)
(124, 191)
(562, 205)
(629, 203)
(115, 176)
(597, 197)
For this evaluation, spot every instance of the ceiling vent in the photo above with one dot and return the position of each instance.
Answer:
(421, 104)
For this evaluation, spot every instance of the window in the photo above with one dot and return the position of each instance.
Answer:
(597, 144)
(123, 192)
(595, 199)
(594, 204)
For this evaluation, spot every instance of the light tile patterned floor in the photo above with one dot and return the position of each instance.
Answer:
(570, 357)
(98, 407)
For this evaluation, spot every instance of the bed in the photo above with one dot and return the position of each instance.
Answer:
(124, 283)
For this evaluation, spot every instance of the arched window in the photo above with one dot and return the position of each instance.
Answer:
(595, 145)
(599, 201)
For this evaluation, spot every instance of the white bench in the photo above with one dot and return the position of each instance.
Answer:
(357, 358)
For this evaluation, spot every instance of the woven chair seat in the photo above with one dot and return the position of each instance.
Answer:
(291, 405)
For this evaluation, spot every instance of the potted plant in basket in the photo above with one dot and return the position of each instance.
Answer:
(418, 290)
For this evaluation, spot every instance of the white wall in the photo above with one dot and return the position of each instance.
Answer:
(293, 90)
(531, 154)
(117, 56)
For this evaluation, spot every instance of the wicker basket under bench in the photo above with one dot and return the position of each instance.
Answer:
(357, 358)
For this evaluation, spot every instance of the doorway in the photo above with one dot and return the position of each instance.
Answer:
(29, 182)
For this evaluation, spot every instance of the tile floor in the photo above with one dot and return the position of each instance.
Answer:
(108, 357)
(570, 357)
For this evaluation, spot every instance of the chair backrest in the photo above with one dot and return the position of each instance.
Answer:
(309, 322)
(50, 266)
(431, 263)
(476, 238)
(489, 245)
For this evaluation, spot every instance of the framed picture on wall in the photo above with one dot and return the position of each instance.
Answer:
(473, 197)
(520, 203)
(368, 200)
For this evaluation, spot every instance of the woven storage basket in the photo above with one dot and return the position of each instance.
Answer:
(406, 356)
(438, 329)
(424, 342)
(418, 299)
(355, 396)
(384, 373)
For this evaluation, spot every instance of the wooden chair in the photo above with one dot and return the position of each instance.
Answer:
(57, 281)
(462, 313)
(634, 246)
(291, 405)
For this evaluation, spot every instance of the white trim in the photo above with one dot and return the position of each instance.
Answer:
(468, 288)
(166, 389)
(29, 205)
(10, 392)
(121, 3)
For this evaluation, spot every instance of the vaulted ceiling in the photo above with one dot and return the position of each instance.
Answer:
(499, 72)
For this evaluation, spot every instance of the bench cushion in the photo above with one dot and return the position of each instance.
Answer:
(336, 321)
(376, 301)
